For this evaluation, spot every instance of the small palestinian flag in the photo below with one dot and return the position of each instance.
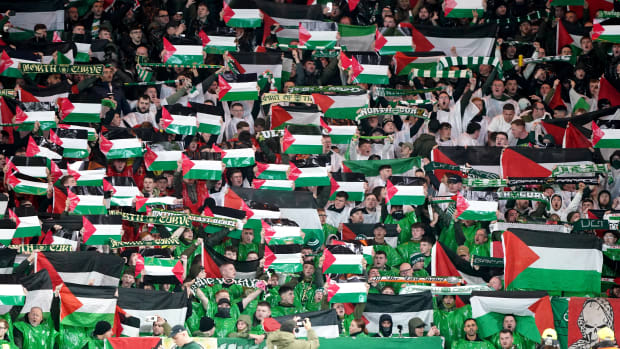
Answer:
(475, 210)
(9, 67)
(294, 115)
(91, 130)
(161, 160)
(356, 37)
(445, 262)
(282, 234)
(390, 45)
(354, 189)
(341, 134)
(202, 169)
(82, 55)
(174, 120)
(210, 123)
(601, 31)
(236, 157)
(462, 8)
(346, 292)
(605, 138)
(29, 166)
(212, 260)
(26, 185)
(26, 120)
(99, 230)
(86, 305)
(160, 270)
(218, 44)
(87, 178)
(308, 176)
(80, 267)
(273, 184)
(182, 54)
(263, 64)
(241, 18)
(369, 73)
(12, 295)
(237, 91)
(272, 171)
(26, 226)
(142, 202)
(301, 144)
(122, 148)
(405, 62)
(79, 112)
(73, 142)
(283, 258)
(86, 204)
(405, 195)
(341, 106)
(123, 190)
(317, 39)
(342, 263)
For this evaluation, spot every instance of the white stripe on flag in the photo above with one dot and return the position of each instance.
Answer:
(568, 259)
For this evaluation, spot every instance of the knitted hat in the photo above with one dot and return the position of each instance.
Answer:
(206, 324)
(102, 327)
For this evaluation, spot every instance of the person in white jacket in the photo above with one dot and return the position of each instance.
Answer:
(557, 204)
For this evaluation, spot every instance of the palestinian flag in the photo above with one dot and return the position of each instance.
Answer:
(202, 169)
(161, 160)
(445, 262)
(236, 157)
(308, 220)
(308, 176)
(84, 204)
(142, 202)
(160, 270)
(531, 309)
(142, 304)
(123, 190)
(272, 171)
(177, 119)
(12, 294)
(282, 234)
(371, 167)
(342, 264)
(570, 34)
(462, 8)
(531, 162)
(82, 55)
(287, 16)
(341, 134)
(475, 210)
(366, 67)
(182, 54)
(341, 106)
(28, 13)
(209, 119)
(237, 91)
(9, 66)
(315, 38)
(122, 148)
(364, 232)
(29, 166)
(283, 258)
(405, 62)
(354, 189)
(7, 231)
(259, 63)
(27, 119)
(7, 256)
(79, 112)
(324, 322)
(605, 138)
(301, 144)
(480, 158)
(241, 18)
(404, 195)
(273, 184)
(26, 185)
(356, 37)
(40, 293)
(45, 94)
(87, 178)
(86, 305)
(81, 267)
(476, 40)
(402, 308)
(91, 130)
(218, 44)
(73, 142)
(346, 292)
(609, 92)
(552, 261)
(26, 226)
(391, 45)
(294, 115)
(99, 230)
(211, 261)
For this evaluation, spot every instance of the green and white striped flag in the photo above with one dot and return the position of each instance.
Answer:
(142, 202)
(301, 144)
(236, 157)
(26, 185)
(218, 44)
(73, 142)
(161, 160)
(356, 37)
(9, 67)
(86, 178)
(202, 169)
(144, 74)
(82, 55)
(404, 195)
(273, 184)
(442, 74)
(308, 176)
(272, 171)
(446, 62)
(86, 204)
(341, 106)
(209, 121)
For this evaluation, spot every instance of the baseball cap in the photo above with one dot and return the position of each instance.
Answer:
(176, 329)
(455, 179)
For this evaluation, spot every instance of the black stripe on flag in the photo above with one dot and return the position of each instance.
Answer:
(105, 220)
(29, 161)
(509, 294)
(31, 5)
(240, 267)
(7, 258)
(207, 109)
(558, 240)
(101, 292)
(317, 318)
(281, 199)
(37, 281)
(475, 156)
(478, 31)
(366, 230)
(257, 58)
(291, 11)
(389, 304)
(285, 249)
(554, 155)
(140, 299)
(71, 133)
(86, 261)
(177, 109)
(370, 58)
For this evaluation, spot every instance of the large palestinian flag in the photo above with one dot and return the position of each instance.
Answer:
(211, 261)
(469, 41)
(402, 308)
(445, 262)
(533, 162)
(28, 13)
(480, 158)
(80, 267)
(99, 230)
(341, 106)
(142, 304)
(84, 306)
(570, 34)
(552, 261)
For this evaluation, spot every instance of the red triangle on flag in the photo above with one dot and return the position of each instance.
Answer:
(74, 200)
(353, 4)
(556, 99)
(563, 38)
(333, 186)
(421, 42)
(345, 61)
(48, 239)
(597, 30)
(449, 5)
(224, 86)
(268, 22)
(269, 231)
(390, 191)
(328, 261)
(219, 150)
(56, 37)
(324, 102)
(332, 288)
(270, 257)
(348, 234)
(105, 144)
(10, 166)
(140, 202)
(557, 132)
(26, 96)
(232, 200)
(5, 61)
(227, 12)
(356, 68)
(20, 115)
(439, 156)
(12, 180)
(187, 164)
(443, 263)
(139, 265)
(204, 38)
(380, 40)
(7, 118)
(60, 200)
(279, 116)
(42, 263)
(169, 50)
(166, 118)
(207, 212)
(543, 314)
(56, 172)
(260, 168)
(258, 183)
(149, 157)
(461, 203)
(325, 125)
(293, 172)
(211, 268)
(573, 138)
(178, 271)
(55, 139)
(88, 229)
(304, 35)
(517, 257)
(68, 302)
(516, 165)
(14, 217)
(597, 133)
(73, 173)
(65, 106)
(609, 92)
(287, 140)
(107, 186)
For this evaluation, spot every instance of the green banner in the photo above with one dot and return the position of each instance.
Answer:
(156, 242)
(368, 112)
(559, 307)
(37, 68)
(580, 169)
(179, 221)
(270, 98)
(431, 166)
(33, 247)
(325, 53)
(371, 167)
(484, 182)
(590, 224)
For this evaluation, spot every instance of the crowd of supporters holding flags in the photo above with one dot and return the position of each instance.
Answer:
(423, 173)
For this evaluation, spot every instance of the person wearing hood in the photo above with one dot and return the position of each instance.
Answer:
(450, 319)
(243, 327)
(224, 323)
(34, 332)
(416, 328)
(385, 326)
(557, 205)
(284, 338)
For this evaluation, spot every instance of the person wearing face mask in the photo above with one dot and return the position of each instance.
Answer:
(34, 332)
(385, 326)
(224, 323)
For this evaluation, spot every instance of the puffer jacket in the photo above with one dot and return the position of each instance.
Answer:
(286, 340)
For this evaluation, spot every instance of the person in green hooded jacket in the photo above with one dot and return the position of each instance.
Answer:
(34, 332)
(102, 330)
(287, 304)
(4, 335)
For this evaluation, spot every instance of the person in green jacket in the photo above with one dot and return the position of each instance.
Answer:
(34, 332)
(379, 261)
(4, 335)
(284, 338)
(206, 328)
(408, 248)
(287, 305)
(181, 338)
(471, 339)
(102, 330)
(510, 323)
(243, 327)
(357, 329)
(224, 323)
(417, 264)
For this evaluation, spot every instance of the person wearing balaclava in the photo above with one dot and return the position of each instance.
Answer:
(385, 326)
(224, 323)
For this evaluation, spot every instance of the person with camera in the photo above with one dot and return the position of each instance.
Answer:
(284, 338)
